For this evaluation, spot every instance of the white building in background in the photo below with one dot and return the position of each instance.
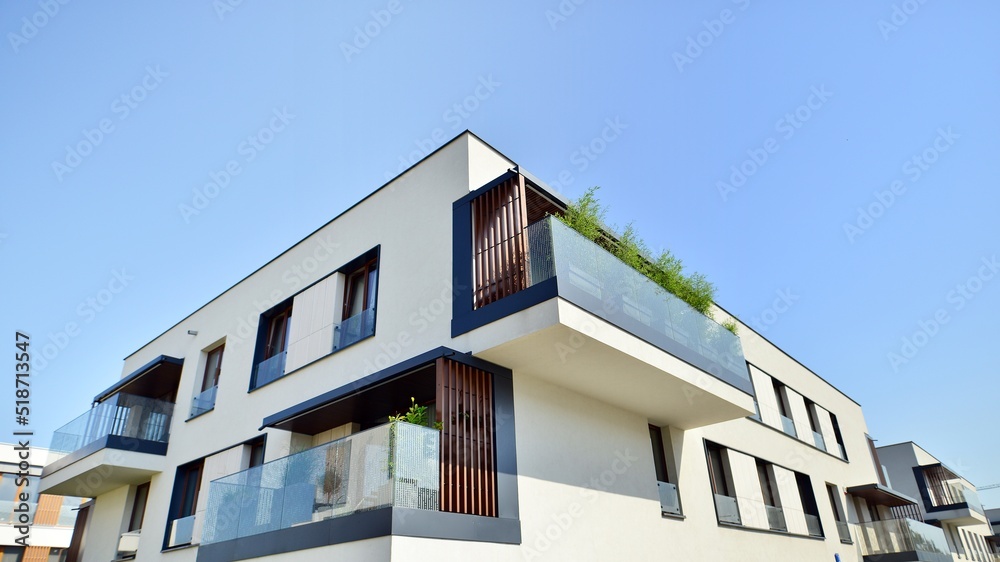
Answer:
(945, 498)
(573, 410)
(49, 534)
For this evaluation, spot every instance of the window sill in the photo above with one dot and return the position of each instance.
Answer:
(797, 440)
(180, 547)
(678, 516)
(769, 531)
(200, 414)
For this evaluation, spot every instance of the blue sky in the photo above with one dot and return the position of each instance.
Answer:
(831, 167)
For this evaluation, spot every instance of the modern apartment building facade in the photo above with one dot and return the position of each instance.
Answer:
(574, 410)
(34, 527)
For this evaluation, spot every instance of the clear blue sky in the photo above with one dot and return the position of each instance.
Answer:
(843, 101)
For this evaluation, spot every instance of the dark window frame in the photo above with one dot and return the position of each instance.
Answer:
(139, 507)
(214, 377)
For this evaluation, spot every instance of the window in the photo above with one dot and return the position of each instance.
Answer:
(183, 505)
(272, 342)
(256, 453)
(669, 498)
(812, 411)
(838, 436)
(726, 506)
(360, 291)
(769, 491)
(809, 505)
(138, 507)
(213, 368)
(781, 397)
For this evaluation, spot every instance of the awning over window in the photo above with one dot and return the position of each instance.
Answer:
(880, 495)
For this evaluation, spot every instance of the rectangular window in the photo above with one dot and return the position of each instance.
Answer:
(256, 453)
(360, 292)
(767, 486)
(779, 397)
(659, 459)
(138, 507)
(278, 326)
(213, 368)
(670, 502)
(183, 505)
(809, 505)
(272, 341)
(726, 506)
(838, 436)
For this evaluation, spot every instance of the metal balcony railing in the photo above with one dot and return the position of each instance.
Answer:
(396, 464)
(123, 415)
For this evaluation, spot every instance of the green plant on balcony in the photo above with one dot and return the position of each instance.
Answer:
(586, 216)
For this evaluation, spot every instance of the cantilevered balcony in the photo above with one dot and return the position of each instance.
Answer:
(583, 319)
(905, 540)
(119, 441)
(948, 497)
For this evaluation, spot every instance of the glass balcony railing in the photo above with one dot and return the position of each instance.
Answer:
(395, 464)
(952, 493)
(844, 531)
(270, 369)
(894, 536)
(775, 518)
(818, 439)
(728, 509)
(813, 525)
(670, 501)
(203, 402)
(354, 329)
(788, 426)
(595, 280)
(123, 415)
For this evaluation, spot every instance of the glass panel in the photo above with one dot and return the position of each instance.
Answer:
(181, 531)
(813, 525)
(395, 464)
(203, 402)
(728, 509)
(354, 329)
(818, 439)
(123, 415)
(269, 370)
(775, 518)
(788, 426)
(670, 501)
(844, 531)
(587, 272)
(903, 535)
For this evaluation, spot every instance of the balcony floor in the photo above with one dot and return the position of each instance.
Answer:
(101, 467)
(569, 347)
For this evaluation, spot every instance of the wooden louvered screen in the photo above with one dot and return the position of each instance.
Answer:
(499, 245)
(468, 459)
(47, 512)
(36, 554)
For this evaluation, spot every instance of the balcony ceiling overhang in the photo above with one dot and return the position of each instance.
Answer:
(100, 472)
(880, 495)
(157, 378)
(567, 346)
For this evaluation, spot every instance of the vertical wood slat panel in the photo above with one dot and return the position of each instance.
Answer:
(468, 458)
(499, 219)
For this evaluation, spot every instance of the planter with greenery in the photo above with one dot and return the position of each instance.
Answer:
(586, 216)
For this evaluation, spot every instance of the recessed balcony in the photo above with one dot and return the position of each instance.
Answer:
(947, 497)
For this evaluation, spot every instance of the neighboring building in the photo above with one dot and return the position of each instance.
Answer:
(945, 498)
(51, 517)
(994, 516)
(584, 413)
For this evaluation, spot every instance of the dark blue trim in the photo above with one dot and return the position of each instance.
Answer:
(161, 360)
(512, 304)
(461, 267)
(383, 522)
(116, 442)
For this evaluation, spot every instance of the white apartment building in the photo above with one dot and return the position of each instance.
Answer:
(574, 410)
(34, 527)
(945, 499)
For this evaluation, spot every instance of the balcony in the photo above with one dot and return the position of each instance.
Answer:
(775, 518)
(947, 497)
(589, 322)
(269, 370)
(670, 502)
(118, 442)
(393, 466)
(203, 402)
(727, 509)
(902, 539)
(354, 329)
